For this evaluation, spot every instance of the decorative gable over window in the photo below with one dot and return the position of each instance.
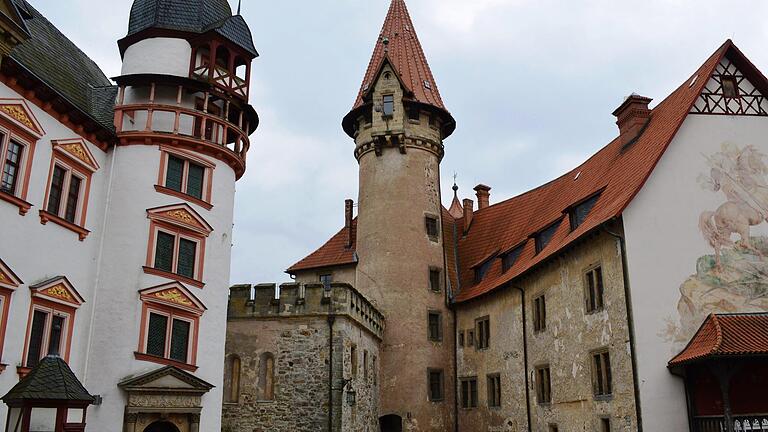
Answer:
(181, 215)
(18, 113)
(58, 290)
(8, 278)
(174, 295)
(730, 91)
(77, 151)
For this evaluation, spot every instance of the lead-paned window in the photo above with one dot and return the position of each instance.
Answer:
(187, 257)
(180, 340)
(174, 174)
(56, 190)
(46, 336)
(177, 254)
(168, 336)
(11, 166)
(156, 333)
(594, 289)
(186, 176)
(164, 251)
(65, 193)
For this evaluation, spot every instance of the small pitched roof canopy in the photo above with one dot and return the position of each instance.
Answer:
(50, 380)
(399, 46)
(726, 335)
(189, 16)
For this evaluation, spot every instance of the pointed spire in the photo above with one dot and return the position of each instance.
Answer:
(399, 44)
(456, 210)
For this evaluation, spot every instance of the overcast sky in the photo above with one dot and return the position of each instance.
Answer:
(531, 83)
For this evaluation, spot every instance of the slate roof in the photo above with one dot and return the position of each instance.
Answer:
(616, 172)
(727, 335)
(51, 379)
(405, 54)
(192, 16)
(62, 66)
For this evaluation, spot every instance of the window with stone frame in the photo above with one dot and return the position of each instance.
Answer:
(601, 373)
(470, 338)
(374, 370)
(483, 326)
(469, 392)
(434, 279)
(593, 289)
(432, 227)
(435, 326)
(326, 280)
(553, 428)
(461, 338)
(266, 382)
(365, 365)
(353, 360)
(414, 113)
(186, 176)
(605, 424)
(388, 105)
(494, 390)
(232, 379)
(435, 382)
(539, 314)
(543, 385)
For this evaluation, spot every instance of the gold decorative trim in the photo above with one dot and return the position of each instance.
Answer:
(78, 151)
(182, 215)
(60, 292)
(18, 113)
(173, 296)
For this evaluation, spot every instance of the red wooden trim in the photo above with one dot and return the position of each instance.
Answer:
(18, 202)
(174, 276)
(81, 232)
(177, 194)
(164, 361)
(55, 307)
(6, 294)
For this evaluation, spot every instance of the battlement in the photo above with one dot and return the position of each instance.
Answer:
(296, 300)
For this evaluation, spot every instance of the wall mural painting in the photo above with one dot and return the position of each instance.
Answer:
(734, 277)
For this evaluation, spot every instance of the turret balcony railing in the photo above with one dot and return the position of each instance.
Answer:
(182, 125)
(752, 423)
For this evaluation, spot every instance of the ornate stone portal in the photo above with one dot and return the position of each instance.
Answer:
(167, 395)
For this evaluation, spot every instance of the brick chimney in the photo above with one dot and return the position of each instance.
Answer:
(468, 213)
(348, 205)
(632, 116)
(483, 193)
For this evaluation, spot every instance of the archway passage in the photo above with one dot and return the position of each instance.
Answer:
(161, 426)
(391, 423)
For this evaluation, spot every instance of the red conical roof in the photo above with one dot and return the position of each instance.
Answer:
(399, 44)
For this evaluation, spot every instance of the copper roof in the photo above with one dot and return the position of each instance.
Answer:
(399, 44)
(727, 335)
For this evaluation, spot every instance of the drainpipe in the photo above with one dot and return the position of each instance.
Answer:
(525, 358)
(331, 320)
(630, 323)
(455, 373)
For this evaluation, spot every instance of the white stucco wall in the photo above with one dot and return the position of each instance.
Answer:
(165, 56)
(664, 243)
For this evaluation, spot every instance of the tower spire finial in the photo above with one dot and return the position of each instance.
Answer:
(455, 186)
(239, 5)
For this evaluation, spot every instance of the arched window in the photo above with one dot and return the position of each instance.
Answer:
(232, 379)
(266, 376)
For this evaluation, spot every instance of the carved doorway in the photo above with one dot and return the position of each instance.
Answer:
(391, 423)
(161, 426)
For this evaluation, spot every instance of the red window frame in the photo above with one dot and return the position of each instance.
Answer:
(9, 282)
(206, 200)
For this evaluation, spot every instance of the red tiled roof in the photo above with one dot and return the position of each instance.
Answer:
(727, 335)
(617, 172)
(406, 56)
(333, 253)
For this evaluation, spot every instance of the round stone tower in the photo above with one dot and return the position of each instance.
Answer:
(398, 123)
(182, 121)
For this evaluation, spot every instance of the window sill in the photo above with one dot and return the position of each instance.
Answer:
(173, 276)
(81, 232)
(603, 398)
(437, 400)
(167, 191)
(18, 202)
(165, 361)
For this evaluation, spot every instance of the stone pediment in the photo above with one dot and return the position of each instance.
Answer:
(18, 112)
(58, 290)
(168, 379)
(173, 294)
(78, 151)
(8, 278)
(181, 215)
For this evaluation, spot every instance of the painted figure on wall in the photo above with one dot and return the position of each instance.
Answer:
(735, 277)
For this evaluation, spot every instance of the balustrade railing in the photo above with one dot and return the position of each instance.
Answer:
(753, 423)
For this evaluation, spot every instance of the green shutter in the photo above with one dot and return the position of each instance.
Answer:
(195, 181)
(158, 325)
(186, 264)
(164, 251)
(180, 340)
(174, 173)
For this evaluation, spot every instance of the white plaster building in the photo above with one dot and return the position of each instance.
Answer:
(116, 208)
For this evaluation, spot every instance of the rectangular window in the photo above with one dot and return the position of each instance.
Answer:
(509, 258)
(431, 225)
(605, 425)
(539, 314)
(494, 391)
(353, 360)
(470, 338)
(365, 365)
(45, 337)
(553, 428)
(482, 269)
(435, 326)
(601, 373)
(168, 337)
(388, 105)
(182, 175)
(64, 193)
(414, 112)
(579, 213)
(543, 385)
(326, 280)
(730, 86)
(545, 236)
(195, 177)
(72, 199)
(483, 326)
(434, 280)
(469, 393)
(11, 167)
(57, 188)
(374, 370)
(174, 173)
(176, 254)
(461, 338)
(594, 289)
(435, 383)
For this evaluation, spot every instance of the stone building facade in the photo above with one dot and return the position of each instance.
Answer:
(278, 352)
